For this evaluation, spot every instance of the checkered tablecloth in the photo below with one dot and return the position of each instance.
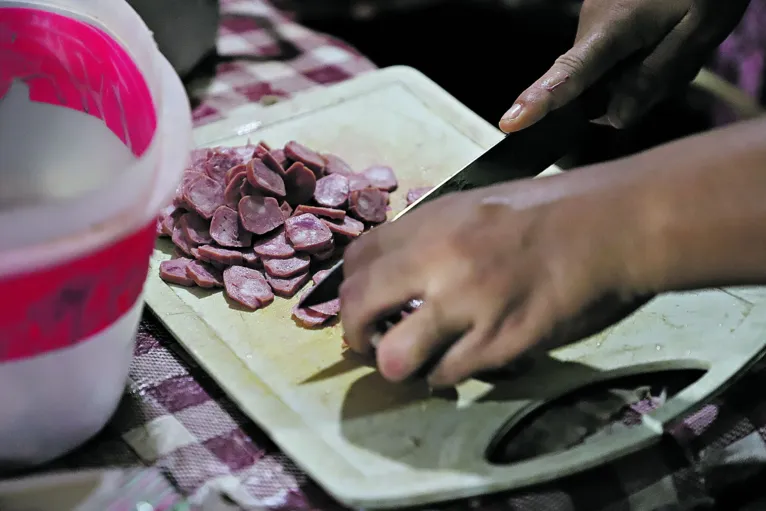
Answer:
(174, 418)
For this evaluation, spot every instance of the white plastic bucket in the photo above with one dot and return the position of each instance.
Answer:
(72, 270)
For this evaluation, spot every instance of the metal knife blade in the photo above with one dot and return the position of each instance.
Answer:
(518, 155)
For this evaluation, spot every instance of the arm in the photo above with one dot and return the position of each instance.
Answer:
(705, 208)
(552, 260)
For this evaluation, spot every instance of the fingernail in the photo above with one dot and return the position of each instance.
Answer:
(512, 114)
(375, 340)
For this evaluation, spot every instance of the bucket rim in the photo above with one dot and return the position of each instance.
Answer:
(175, 119)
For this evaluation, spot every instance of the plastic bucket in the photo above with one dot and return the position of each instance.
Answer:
(72, 268)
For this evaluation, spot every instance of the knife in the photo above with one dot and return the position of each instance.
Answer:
(518, 155)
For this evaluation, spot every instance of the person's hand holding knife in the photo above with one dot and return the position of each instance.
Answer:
(645, 49)
(542, 262)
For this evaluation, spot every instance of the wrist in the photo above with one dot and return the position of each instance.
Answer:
(695, 212)
(649, 247)
(629, 236)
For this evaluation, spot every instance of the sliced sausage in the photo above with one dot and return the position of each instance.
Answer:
(348, 228)
(287, 288)
(332, 191)
(287, 210)
(331, 213)
(169, 220)
(178, 254)
(164, 212)
(158, 229)
(245, 152)
(324, 255)
(271, 161)
(198, 156)
(225, 256)
(235, 171)
(381, 177)
(226, 230)
(251, 259)
(204, 274)
(246, 189)
(264, 179)
(247, 286)
(274, 246)
(286, 268)
(358, 182)
(204, 195)
(180, 240)
(368, 205)
(189, 177)
(331, 308)
(279, 155)
(309, 157)
(196, 228)
(300, 184)
(260, 214)
(308, 318)
(174, 271)
(220, 160)
(233, 192)
(320, 275)
(336, 165)
(416, 193)
(307, 232)
(261, 149)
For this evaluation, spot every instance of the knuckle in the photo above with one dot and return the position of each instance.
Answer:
(570, 62)
(614, 38)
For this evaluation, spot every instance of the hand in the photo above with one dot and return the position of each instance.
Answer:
(500, 270)
(645, 48)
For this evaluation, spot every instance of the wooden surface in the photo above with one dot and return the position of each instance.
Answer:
(378, 445)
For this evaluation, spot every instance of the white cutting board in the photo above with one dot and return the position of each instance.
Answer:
(378, 445)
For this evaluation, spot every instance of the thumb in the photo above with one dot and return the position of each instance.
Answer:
(573, 72)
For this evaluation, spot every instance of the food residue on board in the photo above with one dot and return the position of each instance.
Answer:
(256, 221)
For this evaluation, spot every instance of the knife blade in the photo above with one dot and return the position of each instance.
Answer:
(516, 156)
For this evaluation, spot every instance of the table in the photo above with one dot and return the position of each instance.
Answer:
(173, 416)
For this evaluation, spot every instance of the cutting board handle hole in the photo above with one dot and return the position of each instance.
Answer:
(586, 414)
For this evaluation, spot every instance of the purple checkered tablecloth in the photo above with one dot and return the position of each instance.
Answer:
(269, 57)
(175, 419)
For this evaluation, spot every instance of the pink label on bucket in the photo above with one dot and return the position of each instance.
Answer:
(67, 62)
(62, 305)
